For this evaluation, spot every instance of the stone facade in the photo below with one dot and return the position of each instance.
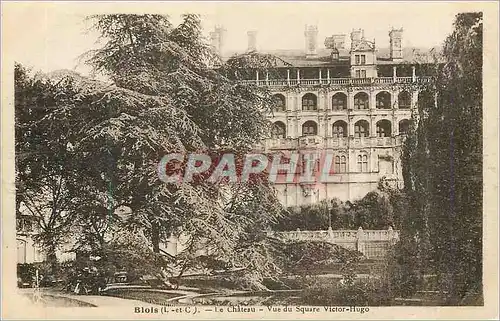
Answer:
(339, 129)
(355, 104)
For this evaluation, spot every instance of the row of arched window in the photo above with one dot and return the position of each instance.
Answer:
(339, 128)
(339, 101)
(340, 163)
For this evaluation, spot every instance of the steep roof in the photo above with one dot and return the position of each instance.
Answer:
(411, 55)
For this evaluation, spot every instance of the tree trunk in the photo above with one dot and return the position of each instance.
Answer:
(155, 237)
(51, 256)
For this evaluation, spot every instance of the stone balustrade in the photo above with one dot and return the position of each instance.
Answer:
(331, 142)
(373, 244)
(338, 81)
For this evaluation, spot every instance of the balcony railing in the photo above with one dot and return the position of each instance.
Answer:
(361, 141)
(338, 81)
(310, 141)
(340, 235)
(331, 142)
(281, 143)
(336, 142)
(386, 80)
(384, 141)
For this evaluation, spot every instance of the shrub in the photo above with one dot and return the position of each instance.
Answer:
(402, 269)
(376, 210)
(370, 292)
(25, 273)
(304, 257)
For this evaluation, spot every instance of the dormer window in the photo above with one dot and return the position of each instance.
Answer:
(335, 54)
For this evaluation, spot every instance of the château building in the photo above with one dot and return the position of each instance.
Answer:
(355, 102)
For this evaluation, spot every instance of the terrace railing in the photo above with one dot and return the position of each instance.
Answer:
(338, 81)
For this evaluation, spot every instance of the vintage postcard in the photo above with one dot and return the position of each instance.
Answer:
(241, 160)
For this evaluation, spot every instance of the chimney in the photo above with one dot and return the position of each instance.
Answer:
(252, 40)
(356, 36)
(395, 41)
(217, 39)
(311, 33)
(339, 41)
(335, 41)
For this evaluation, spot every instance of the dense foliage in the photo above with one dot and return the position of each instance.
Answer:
(88, 150)
(361, 293)
(377, 210)
(45, 176)
(442, 231)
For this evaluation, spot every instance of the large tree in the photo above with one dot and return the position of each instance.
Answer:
(209, 110)
(45, 173)
(166, 92)
(443, 167)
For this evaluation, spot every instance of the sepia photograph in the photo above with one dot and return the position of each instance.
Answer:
(291, 160)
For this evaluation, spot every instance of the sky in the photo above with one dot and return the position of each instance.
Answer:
(51, 36)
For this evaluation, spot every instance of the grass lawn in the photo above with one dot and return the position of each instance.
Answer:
(49, 300)
(365, 267)
(144, 295)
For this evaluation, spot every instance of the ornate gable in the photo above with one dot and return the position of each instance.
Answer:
(364, 45)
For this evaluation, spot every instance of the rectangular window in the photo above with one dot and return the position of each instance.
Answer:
(358, 75)
(362, 163)
(315, 166)
(357, 59)
(340, 165)
(343, 165)
(363, 59)
(363, 73)
(365, 164)
(283, 172)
